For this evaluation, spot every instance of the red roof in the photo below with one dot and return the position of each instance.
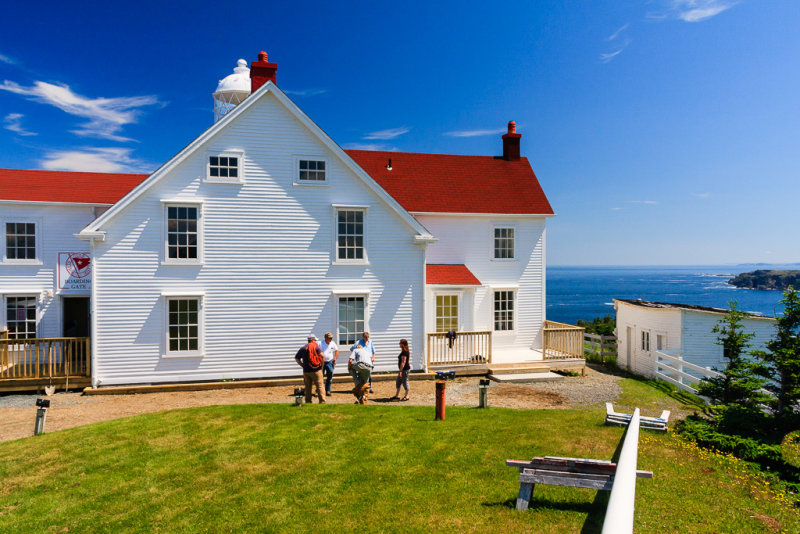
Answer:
(434, 183)
(62, 186)
(457, 275)
(440, 183)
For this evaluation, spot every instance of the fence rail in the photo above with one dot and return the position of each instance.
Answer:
(466, 348)
(55, 357)
(672, 368)
(599, 346)
(619, 514)
(562, 341)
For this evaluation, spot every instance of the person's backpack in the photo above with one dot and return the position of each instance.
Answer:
(314, 357)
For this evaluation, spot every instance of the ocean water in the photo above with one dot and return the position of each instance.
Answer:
(586, 292)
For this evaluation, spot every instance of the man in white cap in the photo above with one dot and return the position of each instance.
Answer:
(311, 359)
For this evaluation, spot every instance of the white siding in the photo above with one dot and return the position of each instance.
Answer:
(656, 321)
(267, 276)
(688, 331)
(699, 342)
(56, 225)
(469, 240)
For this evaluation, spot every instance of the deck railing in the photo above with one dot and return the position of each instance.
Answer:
(562, 341)
(54, 357)
(466, 348)
(671, 367)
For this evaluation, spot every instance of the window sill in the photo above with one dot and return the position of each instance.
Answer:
(188, 354)
(21, 262)
(504, 260)
(324, 183)
(173, 263)
(361, 263)
(237, 181)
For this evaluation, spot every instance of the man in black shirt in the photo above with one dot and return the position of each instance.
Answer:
(311, 359)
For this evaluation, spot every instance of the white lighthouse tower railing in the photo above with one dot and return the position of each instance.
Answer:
(232, 90)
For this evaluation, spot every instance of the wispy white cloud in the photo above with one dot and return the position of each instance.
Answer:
(5, 59)
(616, 33)
(94, 160)
(702, 195)
(648, 202)
(617, 209)
(474, 133)
(605, 58)
(13, 122)
(305, 92)
(390, 133)
(365, 146)
(693, 10)
(106, 116)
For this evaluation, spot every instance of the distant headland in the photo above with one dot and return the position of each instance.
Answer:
(767, 279)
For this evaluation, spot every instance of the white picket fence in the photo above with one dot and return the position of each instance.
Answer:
(671, 367)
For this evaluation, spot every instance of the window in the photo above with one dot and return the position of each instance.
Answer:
(223, 167)
(182, 232)
(183, 325)
(504, 310)
(20, 241)
(661, 342)
(21, 317)
(646, 341)
(351, 320)
(311, 170)
(503, 243)
(350, 234)
(446, 313)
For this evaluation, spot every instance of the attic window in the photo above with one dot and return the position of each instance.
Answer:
(310, 170)
(223, 167)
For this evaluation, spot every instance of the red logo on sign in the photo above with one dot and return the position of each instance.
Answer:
(78, 264)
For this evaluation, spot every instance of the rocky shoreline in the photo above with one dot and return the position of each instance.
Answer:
(767, 279)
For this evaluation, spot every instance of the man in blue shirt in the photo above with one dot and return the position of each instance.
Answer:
(367, 344)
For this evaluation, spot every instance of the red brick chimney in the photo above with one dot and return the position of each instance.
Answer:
(511, 143)
(261, 72)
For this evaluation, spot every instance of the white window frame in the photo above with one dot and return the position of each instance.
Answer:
(231, 153)
(199, 297)
(365, 246)
(181, 203)
(514, 310)
(37, 237)
(459, 308)
(29, 294)
(496, 227)
(310, 183)
(645, 337)
(345, 294)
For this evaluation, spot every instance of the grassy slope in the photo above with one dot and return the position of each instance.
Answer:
(278, 467)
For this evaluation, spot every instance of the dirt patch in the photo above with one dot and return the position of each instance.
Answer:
(68, 410)
(770, 522)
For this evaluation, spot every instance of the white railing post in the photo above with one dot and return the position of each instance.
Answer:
(619, 514)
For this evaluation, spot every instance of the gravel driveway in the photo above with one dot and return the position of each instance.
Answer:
(18, 412)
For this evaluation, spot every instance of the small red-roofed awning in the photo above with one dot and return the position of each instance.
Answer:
(454, 275)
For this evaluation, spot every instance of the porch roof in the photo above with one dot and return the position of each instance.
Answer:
(457, 275)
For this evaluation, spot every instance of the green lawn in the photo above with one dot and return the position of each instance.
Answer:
(374, 468)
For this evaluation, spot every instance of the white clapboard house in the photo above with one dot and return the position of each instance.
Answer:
(653, 338)
(263, 229)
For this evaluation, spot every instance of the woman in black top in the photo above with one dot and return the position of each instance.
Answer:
(403, 367)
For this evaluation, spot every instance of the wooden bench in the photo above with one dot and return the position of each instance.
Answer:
(558, 471)
(651, 423)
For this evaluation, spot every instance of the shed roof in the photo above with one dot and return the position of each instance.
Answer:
(671, 305)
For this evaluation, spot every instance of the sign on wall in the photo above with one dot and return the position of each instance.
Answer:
(74, 271)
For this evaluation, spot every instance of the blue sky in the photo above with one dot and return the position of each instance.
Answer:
(663, 131)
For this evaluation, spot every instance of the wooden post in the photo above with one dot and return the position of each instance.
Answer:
(440, 398)
(524, 496)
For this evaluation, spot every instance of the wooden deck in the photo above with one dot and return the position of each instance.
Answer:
(31, 364)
